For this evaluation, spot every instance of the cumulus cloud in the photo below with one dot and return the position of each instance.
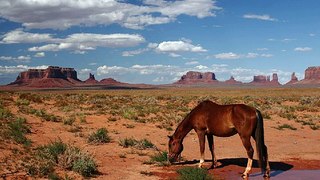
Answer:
(19, 59)
(264, 17)
(78, 42)
(88, 41)
(303, 49)
(39, 54)
(178, 46)
(19, 36)
(61, 14)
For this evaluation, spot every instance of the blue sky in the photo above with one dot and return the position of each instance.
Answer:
(157, 41)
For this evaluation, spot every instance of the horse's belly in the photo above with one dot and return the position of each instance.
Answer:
(223, 132)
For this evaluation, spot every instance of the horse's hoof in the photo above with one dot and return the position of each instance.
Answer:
(245, 176)
(266, 176)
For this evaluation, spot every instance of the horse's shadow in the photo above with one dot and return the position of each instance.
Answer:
(277, 167)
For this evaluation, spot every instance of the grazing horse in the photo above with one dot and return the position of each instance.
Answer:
(210, 119)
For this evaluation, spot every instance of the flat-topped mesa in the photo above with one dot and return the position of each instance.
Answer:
(36, 77)
(265, 80)
(193, 77)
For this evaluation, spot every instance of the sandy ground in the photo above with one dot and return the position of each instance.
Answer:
(288, 149)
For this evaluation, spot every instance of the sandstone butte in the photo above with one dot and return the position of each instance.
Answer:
(57, 77)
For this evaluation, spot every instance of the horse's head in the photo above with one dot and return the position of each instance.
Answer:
(175, 149)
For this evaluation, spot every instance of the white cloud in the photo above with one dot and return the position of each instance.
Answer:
(18, 68)
(264, 17)
(79, 42)
(303, 49)
(231, 55)
(61, 14)
(19, 59)
(19, 36)
(191, 63)
(179, 46)
(40, 54)
(87, 41)
(134, 52)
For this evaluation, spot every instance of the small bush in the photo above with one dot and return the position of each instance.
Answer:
(48, 157)
(286, 126)
(127, 142)
(161, 159)
(193, 173)
(85, 165)
(17, 131)
(139, 144)
(101, 136)
(69, 121)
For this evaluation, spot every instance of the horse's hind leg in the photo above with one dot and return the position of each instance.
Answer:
(247, 144)
(202, 140)
(211, 147)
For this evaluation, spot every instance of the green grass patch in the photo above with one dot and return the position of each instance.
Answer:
(100, 136)
(193, 173)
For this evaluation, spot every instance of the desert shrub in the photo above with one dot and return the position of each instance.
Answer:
(193, 173)
(84, 165)
(127, 142)
(17, 130)
(100, 136)
(31, 97)
(139, 144)
(46, 158)
(160, 158)
(69, 121)
(22, 102)
(286, 126)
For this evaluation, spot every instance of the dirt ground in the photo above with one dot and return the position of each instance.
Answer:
(288, 149)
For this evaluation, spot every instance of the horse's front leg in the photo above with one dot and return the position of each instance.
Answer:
(202, 140)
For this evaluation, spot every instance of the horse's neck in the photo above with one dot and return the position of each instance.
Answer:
(183, 129)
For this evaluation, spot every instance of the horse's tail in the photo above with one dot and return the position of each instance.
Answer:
(261, 147)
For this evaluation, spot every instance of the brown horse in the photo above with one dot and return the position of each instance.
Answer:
(211, 119)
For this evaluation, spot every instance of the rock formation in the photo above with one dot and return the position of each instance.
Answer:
(193, 77)
(312, 76)
(232, 81)
(91, 79)
(312, 73)
(293, 79)
(265, 80)
(53, 76)
(110, 81)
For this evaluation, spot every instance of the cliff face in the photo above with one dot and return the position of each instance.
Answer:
(193, 77)
(312, 73)
(50, 77)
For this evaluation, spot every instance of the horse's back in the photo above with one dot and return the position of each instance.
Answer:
(223, 120)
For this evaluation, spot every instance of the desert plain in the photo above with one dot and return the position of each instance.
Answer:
(122, 134)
